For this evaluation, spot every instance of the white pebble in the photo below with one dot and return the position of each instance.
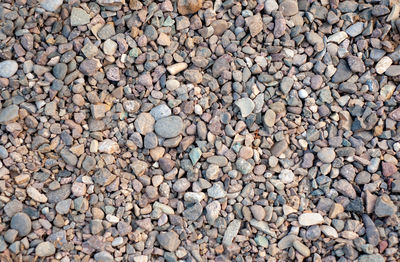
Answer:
(303, 93)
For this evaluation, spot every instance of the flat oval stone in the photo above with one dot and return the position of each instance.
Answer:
(169, 127)
(8, 68)
(309, 219)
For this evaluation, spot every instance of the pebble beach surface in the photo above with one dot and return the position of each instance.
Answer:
(194, 130)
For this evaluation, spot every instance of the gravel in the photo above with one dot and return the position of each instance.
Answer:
(192, 130)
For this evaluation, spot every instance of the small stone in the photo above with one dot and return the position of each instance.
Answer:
(113, 73)
(193, 212)
(301, 248)
(355, 29)
(258, 212)
(345, 188)
(131, 106)
(63, 206)
(110, 47)
(309, 219)
(176, 68)
(371, 258)
(216, 191)
(279, 148)
(246, 106)
(219, 26)
(164, 39)
(255, 24)
(50, 5)
(193, 76)
(195, 155)
(22, 223)
(169, 240)
(138, 167)
(88, 67)
(393, 70)
(144, 123)
(326, 155)
(286, 176)
(79, 17)
(221, 64)
(172, 84)
(36, 195)
(103, 256)
(289, 7)
(329, 231)
(371, 231)
(243, 166)
(106, 32)
(388, 169)
(13, 207)
(287, 241)
(269, 118)
(342, 73)
(356, 64)
(338, 37)
(9, 114)
(384, 207)
(8, 68)
(169, 127)
(108, 146)
(78, 189)
(187, 7)
(383, 65)
(90, 50)
(395, 115)
(231, 232)
(45, 249)
(303, 94)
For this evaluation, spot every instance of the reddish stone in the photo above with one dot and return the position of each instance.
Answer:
(388, 169)
(382, 246)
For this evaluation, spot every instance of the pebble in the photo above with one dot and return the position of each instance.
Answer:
(246, 106)
(384, 206)
(108, 146)
(327, 155)
(79, 17)
(286, 176)
(309, 219)
(9, 114)
(50, 5)
(187, 7)
(169, 240)
(355, 29)
(22, 223)
(8, 68)
(269, 118)
(176, 68)
(169, 127)
(301, 248)
(231, 232)
(36, 195)
(45, 249)
(103, 256)
(383, 65)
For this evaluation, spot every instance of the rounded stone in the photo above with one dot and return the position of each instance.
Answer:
(45, 249)
(169, 127)
(22, 223)
(8, 68)
(326, 155)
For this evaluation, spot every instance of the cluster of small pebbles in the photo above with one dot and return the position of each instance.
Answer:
(199, 130)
